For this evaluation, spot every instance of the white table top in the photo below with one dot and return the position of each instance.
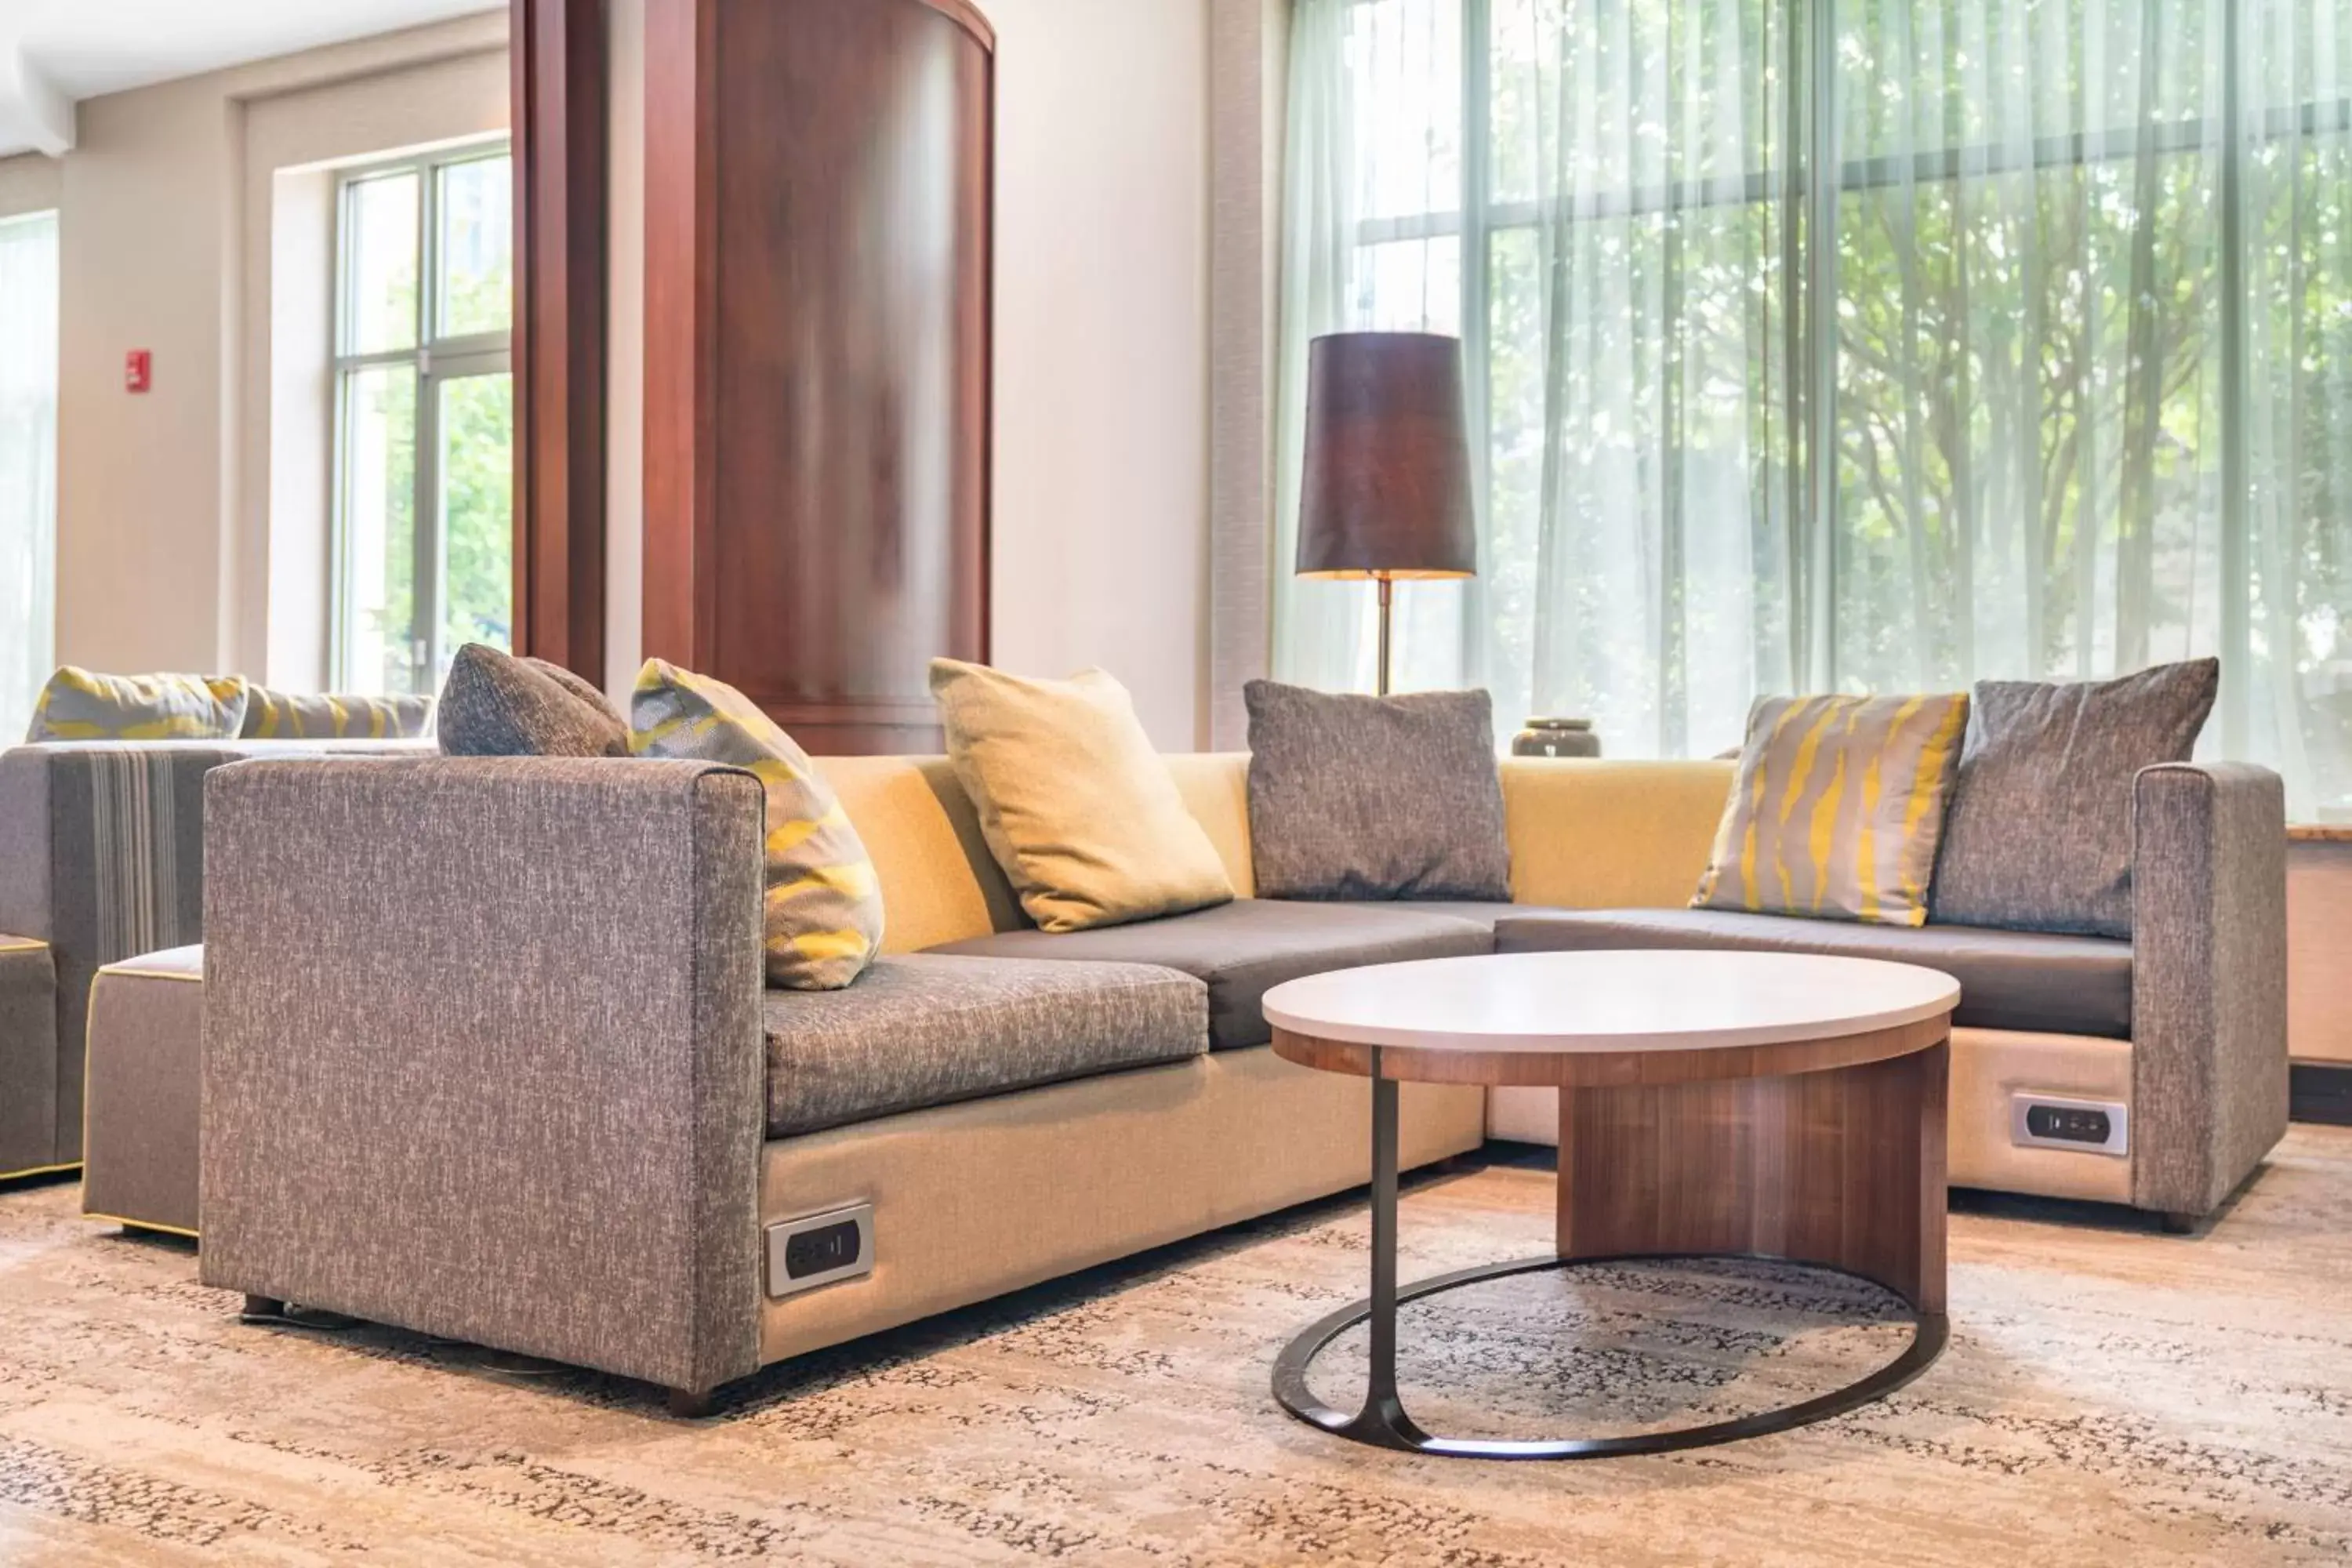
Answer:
(1652, 1000)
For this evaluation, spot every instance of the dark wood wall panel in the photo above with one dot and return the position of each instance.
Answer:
(557, 47)
(817, 421)
(681, 346)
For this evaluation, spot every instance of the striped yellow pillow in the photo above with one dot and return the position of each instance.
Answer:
(1838, 808)
(824, 905)
(305, 715)
(82, 705)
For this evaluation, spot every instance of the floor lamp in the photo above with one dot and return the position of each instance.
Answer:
(1386, 491)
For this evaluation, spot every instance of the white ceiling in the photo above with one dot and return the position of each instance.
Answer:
(54, 52)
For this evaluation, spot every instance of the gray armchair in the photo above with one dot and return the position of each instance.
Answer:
(102, 859)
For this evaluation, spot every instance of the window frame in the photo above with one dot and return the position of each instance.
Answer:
(434, 359)
(2308, 118)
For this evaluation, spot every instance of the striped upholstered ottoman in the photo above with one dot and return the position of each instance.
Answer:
(140, 1100)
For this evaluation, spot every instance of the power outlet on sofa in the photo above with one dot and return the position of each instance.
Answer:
(819, 1248)
(2058, 1121)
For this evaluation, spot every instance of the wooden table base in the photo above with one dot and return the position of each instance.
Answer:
(1842, 1167)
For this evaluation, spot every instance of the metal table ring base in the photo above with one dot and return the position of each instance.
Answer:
(1382, 1421)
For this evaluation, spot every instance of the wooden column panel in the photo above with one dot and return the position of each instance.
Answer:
(818, 211)
(557, 47)
(1843, 1166)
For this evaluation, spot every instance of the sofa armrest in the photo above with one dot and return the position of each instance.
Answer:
(2209, 980)
(482, 1052)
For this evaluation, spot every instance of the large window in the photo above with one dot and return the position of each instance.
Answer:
(425, 417)
(28, 462)
(1853, 345)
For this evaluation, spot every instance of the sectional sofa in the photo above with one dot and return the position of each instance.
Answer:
(488, 1052)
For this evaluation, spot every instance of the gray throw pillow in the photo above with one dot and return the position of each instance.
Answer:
(1375, 797)
(2039, 836)
(496, 705)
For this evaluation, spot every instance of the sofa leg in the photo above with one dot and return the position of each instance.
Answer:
(260, 1309)
(2178, 1223)
(688, 1406)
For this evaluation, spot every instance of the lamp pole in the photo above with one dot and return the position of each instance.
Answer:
(1387, 586)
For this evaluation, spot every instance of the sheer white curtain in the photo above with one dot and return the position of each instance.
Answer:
(1856, 344)
(2031, 399)
(1640, 365)
(2294, 542)
(28, 453)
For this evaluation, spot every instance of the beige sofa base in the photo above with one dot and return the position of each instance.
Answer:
(1990, 1065)
(1987, 1067)
(975, 1199)
(144, 1077)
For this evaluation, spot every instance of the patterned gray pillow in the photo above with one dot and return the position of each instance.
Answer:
(2039, 837)
(496, 705)
(1375, 797)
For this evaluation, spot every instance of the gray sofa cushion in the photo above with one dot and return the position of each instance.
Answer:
(496, 705)
(1248, 946)
(2039, 833)
(922, 1029)
(1484, 911)
(1374, 797)
(2009, 979)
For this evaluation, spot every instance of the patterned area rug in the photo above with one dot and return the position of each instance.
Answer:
(2111, 1396)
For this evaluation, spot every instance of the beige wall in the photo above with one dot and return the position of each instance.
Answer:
(29, 184)
(140, 480)
(1101, 506)
(162, 562)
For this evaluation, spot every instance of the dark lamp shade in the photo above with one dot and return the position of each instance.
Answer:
(1386, 491)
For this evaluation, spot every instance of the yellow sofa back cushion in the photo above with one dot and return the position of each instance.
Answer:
(1584, 834)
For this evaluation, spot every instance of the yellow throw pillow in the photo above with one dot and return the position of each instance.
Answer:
(1075, 803)
(82, 705)
(305, 715)
(824, 905)
(1838, 808)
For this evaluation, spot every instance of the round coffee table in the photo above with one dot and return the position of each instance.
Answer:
(1755, 1105)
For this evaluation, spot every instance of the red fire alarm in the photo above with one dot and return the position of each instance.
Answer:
(135, 371)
